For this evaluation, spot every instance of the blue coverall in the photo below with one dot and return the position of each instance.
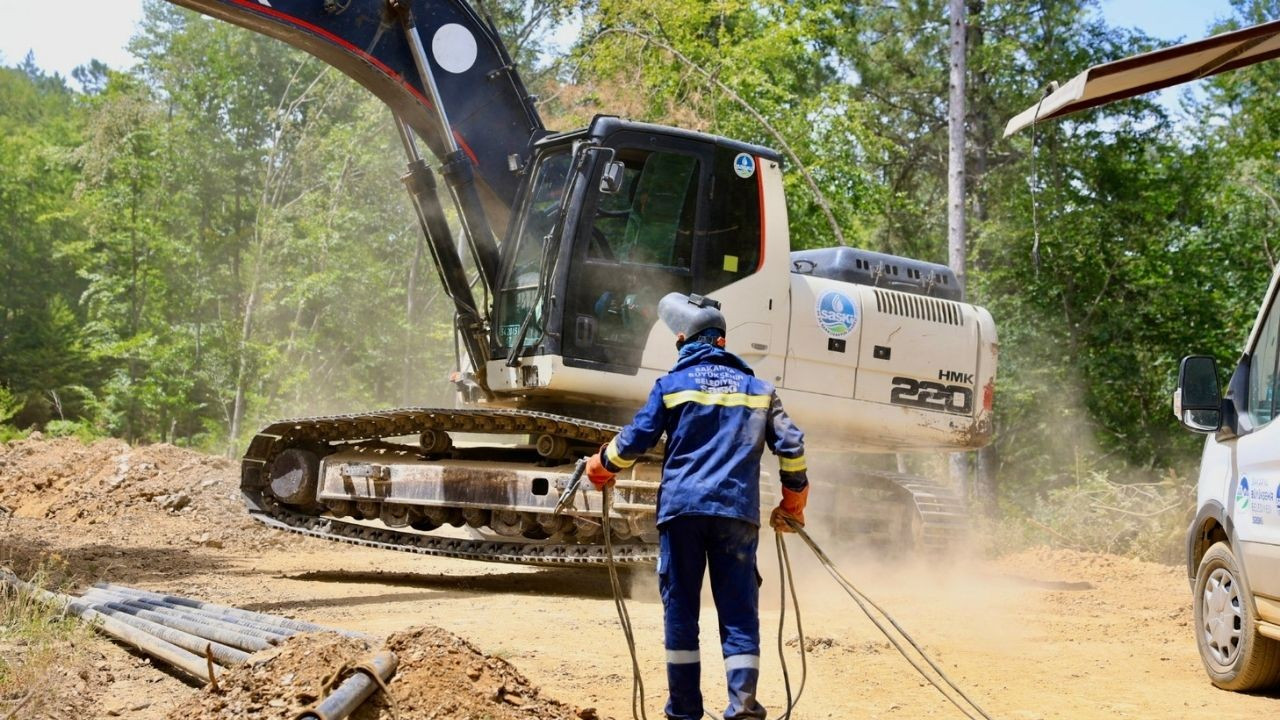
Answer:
(718, 418)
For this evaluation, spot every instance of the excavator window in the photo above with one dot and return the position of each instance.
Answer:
(734, 245)
(521, 287)
(638, 245)
(650, 222)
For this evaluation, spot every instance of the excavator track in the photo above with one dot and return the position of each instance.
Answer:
(279, 436)
(894, 511)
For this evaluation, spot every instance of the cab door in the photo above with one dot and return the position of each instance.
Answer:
(632, 248)
(687, 218)
(1256, 502)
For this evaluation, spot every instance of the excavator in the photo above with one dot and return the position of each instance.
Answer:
(566, 242)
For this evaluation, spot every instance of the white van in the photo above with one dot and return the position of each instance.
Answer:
(1233, 545)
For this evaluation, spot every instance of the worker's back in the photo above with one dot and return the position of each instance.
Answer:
(717, 416)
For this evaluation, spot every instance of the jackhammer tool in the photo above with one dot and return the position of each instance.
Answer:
(566, 497)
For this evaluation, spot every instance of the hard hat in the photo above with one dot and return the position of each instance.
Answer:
(689, 316)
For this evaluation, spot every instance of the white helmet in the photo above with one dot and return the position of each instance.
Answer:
(692, 316)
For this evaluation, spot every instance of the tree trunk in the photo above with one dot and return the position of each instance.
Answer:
(955, 186)
(984, 137)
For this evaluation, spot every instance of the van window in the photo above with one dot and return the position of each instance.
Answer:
(1264, 385)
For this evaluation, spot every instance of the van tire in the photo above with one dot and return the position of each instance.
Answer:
(1234, 654)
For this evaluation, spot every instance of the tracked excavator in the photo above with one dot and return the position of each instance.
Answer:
(568, 241)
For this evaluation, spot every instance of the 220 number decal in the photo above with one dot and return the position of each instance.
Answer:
(931, 395)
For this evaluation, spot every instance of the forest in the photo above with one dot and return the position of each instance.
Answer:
(219, 237)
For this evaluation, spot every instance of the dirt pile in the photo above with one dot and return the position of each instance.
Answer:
(182, 496)
(440, 675)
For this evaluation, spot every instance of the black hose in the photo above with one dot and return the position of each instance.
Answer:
(624, 618)
(786, 580)
(863, 601)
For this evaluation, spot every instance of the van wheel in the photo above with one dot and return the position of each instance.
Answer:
(1234, 654)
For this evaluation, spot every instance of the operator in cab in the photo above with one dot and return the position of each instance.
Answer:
(718, 418)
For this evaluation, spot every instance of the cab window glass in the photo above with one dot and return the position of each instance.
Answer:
(639, 246)
(733, 232)
(1264, 385)
(520, 290)
(650, 220)
(540, 217)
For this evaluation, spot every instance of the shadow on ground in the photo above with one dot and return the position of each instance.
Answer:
(66, 565)
(558, 582)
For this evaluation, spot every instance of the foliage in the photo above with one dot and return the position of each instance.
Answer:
(38, 639)
(1097, 514)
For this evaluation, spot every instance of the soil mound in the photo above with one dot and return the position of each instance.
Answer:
(182, 495)
(439, 675)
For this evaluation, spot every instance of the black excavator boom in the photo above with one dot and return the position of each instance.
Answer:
(490, 113)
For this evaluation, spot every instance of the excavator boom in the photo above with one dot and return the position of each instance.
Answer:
(492, 116)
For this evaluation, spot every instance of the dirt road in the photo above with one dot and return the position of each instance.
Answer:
(1039, 634)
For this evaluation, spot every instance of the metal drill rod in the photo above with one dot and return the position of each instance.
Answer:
(244, 627)
(354, 690)
(166, 629)
(230, 636)
(275, 620)
(189, 663)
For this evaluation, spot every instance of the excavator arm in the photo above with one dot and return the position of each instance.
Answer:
(446, 76)
(490, 114)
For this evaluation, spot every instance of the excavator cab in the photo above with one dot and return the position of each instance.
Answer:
(642, 211)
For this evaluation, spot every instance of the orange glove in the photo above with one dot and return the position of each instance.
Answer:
(791, 508)
(597, 473)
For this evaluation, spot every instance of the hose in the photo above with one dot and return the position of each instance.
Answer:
(863, 601)
(624, 618)
(787, 582)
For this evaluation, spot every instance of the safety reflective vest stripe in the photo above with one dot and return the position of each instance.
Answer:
(792, 464)
(725, 399)
(682, 657)
(611, 452)
(741, 662)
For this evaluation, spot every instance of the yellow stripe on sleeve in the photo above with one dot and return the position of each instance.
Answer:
(792, 464)
(723, 399)
(611, 452)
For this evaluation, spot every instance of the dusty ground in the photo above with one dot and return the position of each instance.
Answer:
(1040, 634)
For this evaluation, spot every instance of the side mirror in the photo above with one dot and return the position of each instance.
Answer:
(1197, 402)
(611, 177)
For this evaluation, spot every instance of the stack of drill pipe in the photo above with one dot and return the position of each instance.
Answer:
(187, 662)
(223, 612)
(256, 636)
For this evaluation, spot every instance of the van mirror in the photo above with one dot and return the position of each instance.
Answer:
(1197, 402)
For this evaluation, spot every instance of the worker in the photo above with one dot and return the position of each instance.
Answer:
(718, 417)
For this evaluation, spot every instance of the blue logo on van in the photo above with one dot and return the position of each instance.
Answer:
(1242, 494)
(744, 165)
(837, 315)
